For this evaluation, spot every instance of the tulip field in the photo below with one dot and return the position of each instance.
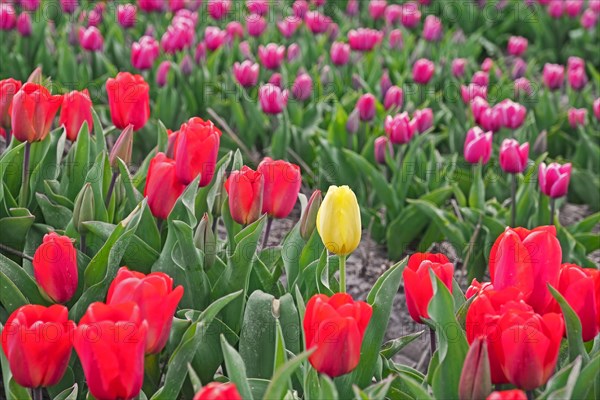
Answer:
(309, 199)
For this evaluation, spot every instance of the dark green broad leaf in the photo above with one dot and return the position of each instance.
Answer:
(18, 287)
(391, 348)
(236, 369)
(15, 228)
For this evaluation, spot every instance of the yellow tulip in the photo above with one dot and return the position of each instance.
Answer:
(338, 220)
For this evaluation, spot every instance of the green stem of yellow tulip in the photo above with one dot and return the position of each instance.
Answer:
(513, 203)
(24, 194)
(342, 259)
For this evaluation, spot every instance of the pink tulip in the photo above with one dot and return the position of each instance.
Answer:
(554, 179)
(556, 8)
(162, 73)
(235, 30)
(432, 29)
(396, 39)
(594, 6)
(340, 53)
(553, 76)
(24, 24)
(255, 25)
(144, 53)
(481, 78)
(478, 106)
(513, 157)
(589, 19)
(491, 119)
(91, 39)
(246, 73)
(577, 117)
(393, 14)
(471, 92)
(302, 87)
(422, 71)
(411, 16)
(399, 128)
(288, 26)
(478, 146)
(512, 114)
(218, 9)
(259, 7)
(573, 7)
(275, 79)
(151, 5)
(271, 55)
(200, 53)
(517, 45)
(382, 145)
(317, 22)
(366, 107)
(596, 108)
(423, 119)
(293, 52)
(214, 37)
(577, 78)
(458, 67)
(126, 15)
(272, 99)
(519, 68)
(364, 39)
(300, 8)
(8, 17)
(522, 85)
(179, 36)
(377, 8)
(68, 6)
(30, 5)
(394, 98)
(487, 64)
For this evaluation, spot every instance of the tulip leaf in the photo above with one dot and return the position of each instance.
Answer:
(184, 207)
(68, 394)
(453, 345)
(99, 139)
(562, 383)
(132, 194)
(573, 328)
(404, 386)
(292, 246)
(381, 299)
(15, 227)
(209, 355)
(79, 163)
(18, 287)
(178, 362)
(17, 392)
(212, 310)
(589, 373)
(236, 369)
(391, 348)
(194, 379)
(54, 214)
(377, 391)
(279, 384)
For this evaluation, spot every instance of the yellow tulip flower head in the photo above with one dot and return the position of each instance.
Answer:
(338, 220)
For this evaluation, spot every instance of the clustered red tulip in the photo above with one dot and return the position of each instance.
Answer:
(31, 100)
(418, 287)
(478, 146)
(245, 189)
(554, 179)
(156, 298)
(513, 157)
(76, 109)
(129, 100)
(162, 186)
(8, 88)
(55, 267)
(218, 391)
(282, 182)
(337, 351)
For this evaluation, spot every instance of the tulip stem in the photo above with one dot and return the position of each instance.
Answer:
(432, 341)
(37, 393)
(17, 253)
(552, 210)
(82, 245)
(111, 188)
(24, 195)
(267, 232)
(530, 395)
(513, 204)
(342, 259)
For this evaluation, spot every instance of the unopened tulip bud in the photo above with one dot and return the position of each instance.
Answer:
(55, 267)
(24, 24)
(458, 67)
(36, 76)
(382, 146)
(541, 142)
(596, 108)
(186, 65)
(204, 239)
(366, 107)
(353, 122)
(385, 82)
(308, 221)
(122, 148)
(338, 220)
(475, 379)
(163, 73)
(84, 208)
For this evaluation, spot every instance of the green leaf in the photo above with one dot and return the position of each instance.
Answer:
(589, 373)
(391, 348)
(236, 369)
(477, 191)
(278, 386)
(68, 394)
(561, 384)
(178, 363)
(573, 327)
(18, 287)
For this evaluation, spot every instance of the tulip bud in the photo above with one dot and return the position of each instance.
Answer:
(84, 208)
(385, 82)
(204, 239)
(458, 67)
(186, 65)
(122, 148)
(382, 146)
(218, 391)
(24, 24)
(541, 142)
(8, 88)
(8, 17)
(353, 122)
(596, 108)
(513, 394)
(36, 76)
(55, 267)
(554, 179)
(422, 71)
(338, 220)
(308, 220)
(245, 189)
(293, 52)
(475, 379)
(163, 73)
(366, 107)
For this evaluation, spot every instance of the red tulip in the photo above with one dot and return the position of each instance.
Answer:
(514, 394)
(399, 128)
(366, 107)
(33, 109)
(271, 55)
(156, 299)
(110, 342)
(335, 326)
(129, 101)
(517, 45)
(55, 267)
(553, 76)
(37, 343)
(417, 282)
(76, 109)
(578, 287)
(475, 287)
(245, 189)
(527, 260)
(218, 391)
(513, 157)
(554, 179)
(162, 186)
(422, 71)
(8, 88)
(364, 39)
(282, 182)
(196, 151)
(478, 146)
